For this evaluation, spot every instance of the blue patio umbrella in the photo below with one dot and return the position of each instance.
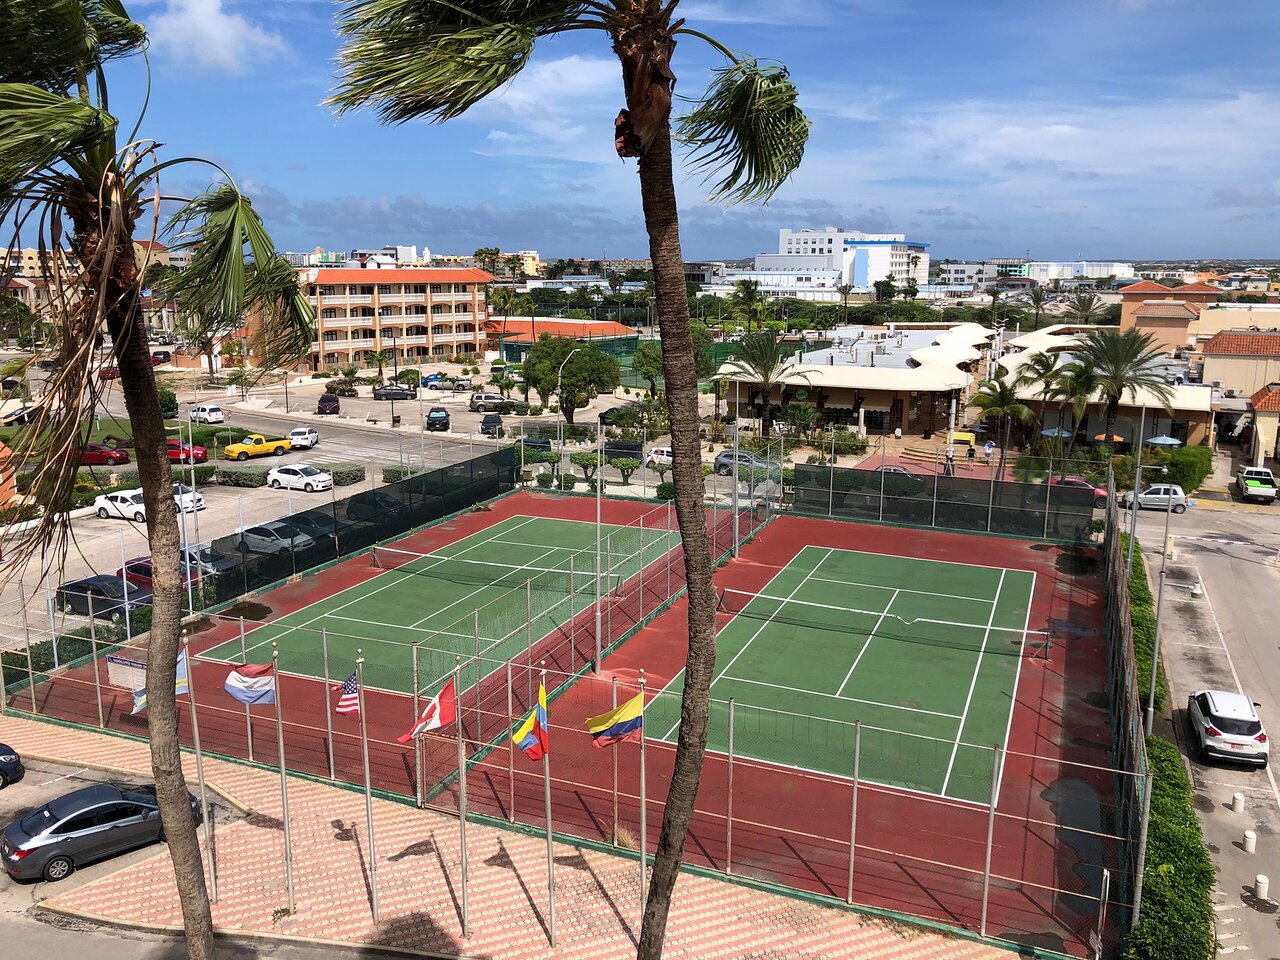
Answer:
(1055, 432)
(1164, 441)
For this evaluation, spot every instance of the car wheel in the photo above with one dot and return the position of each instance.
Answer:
(310, 488)
(4, 781)
(58, 868)
(275, 484)
(242, 456)
(480, 408)
(102, 512)
(115, 616)
(723, 471)
(279, 451)
(1180, 508)
(112, 461)
(1099, 502)
(140, 517)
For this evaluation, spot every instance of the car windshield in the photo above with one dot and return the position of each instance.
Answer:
(308, 471)
(1236, 728)
(181, 490)
(36, 820)
(136, 498)
(246, 439)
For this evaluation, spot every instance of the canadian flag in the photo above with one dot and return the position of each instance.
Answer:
(440, 710)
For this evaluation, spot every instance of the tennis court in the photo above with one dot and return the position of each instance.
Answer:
(925, 653)
(487, 597)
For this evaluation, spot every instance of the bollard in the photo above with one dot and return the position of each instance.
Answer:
(1197, 590)
(1261, 887)
(1237, 803)
(1250, 841)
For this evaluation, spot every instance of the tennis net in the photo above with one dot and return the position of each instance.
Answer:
(576, 576)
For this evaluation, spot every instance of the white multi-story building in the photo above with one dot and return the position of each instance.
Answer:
(1043, 271)
(861, 258)
(955, 273)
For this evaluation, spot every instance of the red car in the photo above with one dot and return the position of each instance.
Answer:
(180, 452)
(108, 373)
(97, 454)
(1080, 483)
(138, 572)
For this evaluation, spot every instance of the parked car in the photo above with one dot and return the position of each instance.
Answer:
(373, 505)
(207, 413)
(317, 524)
(123, 503)
(1226, 725)
(611, 415)
(1158, 496)
(481, 402)
(299, 476)
(108, 373)
(328, 405)
(180, 452)
(27, 413)
(658, 457)
(186, 499)
(161, 356)
(81, 827)
(205, 560)
(490, 424)
(895, 470)
(1080, 483)
(303, 438)
(437, 382)
(255, 445)
(275, 536)
(1256, 483)
(614, 449)
(139, 573)
(11, 769)
(97, 454)
(437, 419)
(47, 363)
(103, 594)
(746, 459)
(541, 444)
(10, 383)
(394, 391)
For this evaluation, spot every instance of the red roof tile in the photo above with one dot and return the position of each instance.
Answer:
(1197, 288)
(1144, 286)
(1167, 309)
(1243, 343)
(519, 329)
(397, 275)
(1267, 399)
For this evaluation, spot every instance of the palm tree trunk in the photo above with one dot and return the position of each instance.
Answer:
(657, 188)
(138, 386)
(766, 412)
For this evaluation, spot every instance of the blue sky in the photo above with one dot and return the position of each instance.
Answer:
(1067, 128)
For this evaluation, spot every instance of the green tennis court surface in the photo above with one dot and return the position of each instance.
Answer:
(925, 653)
(445, 600)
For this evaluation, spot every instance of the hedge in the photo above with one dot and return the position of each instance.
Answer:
(1142, 613)
(344, 474)
(1177, 921)
(666, 490)
(242, 476)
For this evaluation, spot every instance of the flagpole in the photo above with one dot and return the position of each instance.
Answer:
(419, 790)
(613, 703)
(368, 788)
(551, 852)
(511, 754)
(248, 717)
(462, 793)
(284, 780)
(328, 714)
(204, 796)
(595, 662)
(644, 823)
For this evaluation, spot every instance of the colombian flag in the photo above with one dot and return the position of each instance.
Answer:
(621, 724)
(531, 735)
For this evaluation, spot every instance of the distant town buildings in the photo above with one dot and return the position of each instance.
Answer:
(1045, 271)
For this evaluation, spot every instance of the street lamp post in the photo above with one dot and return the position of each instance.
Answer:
(560, 373)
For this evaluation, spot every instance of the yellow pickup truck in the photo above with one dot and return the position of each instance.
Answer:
(255, 445)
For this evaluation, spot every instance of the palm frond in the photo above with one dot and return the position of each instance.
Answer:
(409, 59)
(288, 322)
(47, 44)
(749, 127)
(38, 127)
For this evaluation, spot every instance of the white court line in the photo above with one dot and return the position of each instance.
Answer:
(1017, 677)
(877, 586)
(762, 628)
(866, 643)
(977, 668)
(487, 586)
(362, 596)
(836, 696)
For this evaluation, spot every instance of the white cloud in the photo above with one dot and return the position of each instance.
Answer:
(206, 35)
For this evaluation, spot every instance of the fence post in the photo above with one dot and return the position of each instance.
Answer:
(991, 500)
(728, 829)
(853, 806)
(97, 675)
(933, 517)
(511, 754)
(991, 832)
(328, 711)
(573, 615)
(1104, 896)
(613, 703)
(475, 627)
(640, 575)
(1142, 843)
(26, 631)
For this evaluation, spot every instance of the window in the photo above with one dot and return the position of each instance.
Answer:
(365, 289)
(384, 288)
(121, 811)
(85, 821)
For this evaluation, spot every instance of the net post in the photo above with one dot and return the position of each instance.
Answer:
(640, 575)
(670, 551)
(853, 806)
(573, 615)
(991, 499)
(728, 821)
(328, 713)
(933, 518)
(991, 831)
(613, 703)
(831, 475)
(97, 674)
(417, 741)
(475, 628)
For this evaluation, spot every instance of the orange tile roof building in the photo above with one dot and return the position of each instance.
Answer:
(1242, 361)
(417, 313)
(1169, 314)
(1266, 423)
(515, 335)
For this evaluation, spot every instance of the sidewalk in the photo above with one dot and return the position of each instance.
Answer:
(417, 869)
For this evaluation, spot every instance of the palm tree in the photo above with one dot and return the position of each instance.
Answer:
(1076, 386)
(488, 258)
(1040, 368)
(746, 303)
(762, 360)
(1037, 297)
(411, 60)
(504, 300)
(845, 289)
(379, 358)
(1124, 362)
(515, 266)
(1084, 307)
(998, 398)
(72, 173)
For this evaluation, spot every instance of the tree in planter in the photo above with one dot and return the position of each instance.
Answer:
(800, 418)
(68, 171)
(998, 398)
(588, 461)
(379, 358)
(762, 363)
(575, 369)
(625, 466)
(411, 60)
(647, 363)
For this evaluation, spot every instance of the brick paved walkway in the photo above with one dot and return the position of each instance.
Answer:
(418, 872)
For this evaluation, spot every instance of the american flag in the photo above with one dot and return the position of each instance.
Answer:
(349, 702)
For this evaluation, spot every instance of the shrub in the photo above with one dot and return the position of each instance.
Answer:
(626, 466)
(544, 480)
(1142, 613)
(344, 474)
(409, 376)
(1177, 920)
(848, 442)
(168, 399)
(666, 490)
(567, 481)
(520, 408)
(343, 388)
(322, 375)
(535, 409)
(818, 459)
(368, 381)
(1189, 467)
(348, 373)
(205, 473)
(242, 476)
(395, 474)
(125, 479)
(18, 514)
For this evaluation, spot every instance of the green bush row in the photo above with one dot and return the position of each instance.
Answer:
(1142, 613)
(1177, 920)
(344, 474)
(1188, 467)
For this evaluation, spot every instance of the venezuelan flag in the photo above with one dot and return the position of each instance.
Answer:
(621, 724)
(531, 735)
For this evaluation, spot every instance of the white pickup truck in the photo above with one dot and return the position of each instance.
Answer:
(1256, 483)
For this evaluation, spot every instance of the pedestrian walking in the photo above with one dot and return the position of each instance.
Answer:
(989, 450)
(971, 455)
(950, 469)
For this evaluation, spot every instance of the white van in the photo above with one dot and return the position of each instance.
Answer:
(658, 456)
(207, 413)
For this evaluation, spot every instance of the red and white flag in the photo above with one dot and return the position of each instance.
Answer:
(440, 710)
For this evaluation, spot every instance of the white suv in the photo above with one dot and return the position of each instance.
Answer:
(303, 438)
(1226, 725)
(271, 537)
(207, 413)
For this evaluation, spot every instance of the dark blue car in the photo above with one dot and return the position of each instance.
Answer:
(11, 769)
